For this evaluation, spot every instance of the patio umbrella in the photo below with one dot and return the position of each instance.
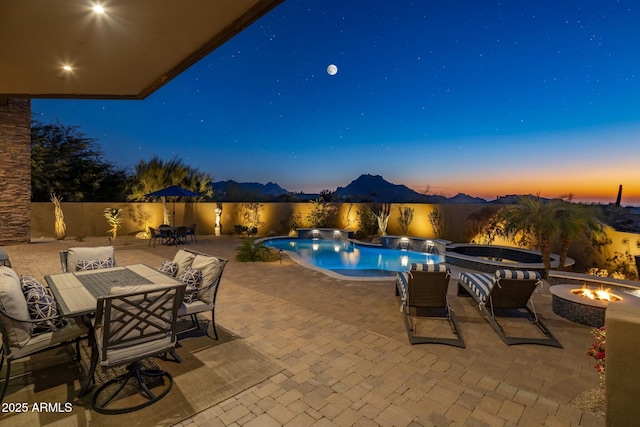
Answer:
(175, 192)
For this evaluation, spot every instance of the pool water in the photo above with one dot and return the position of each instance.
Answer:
(348, 259)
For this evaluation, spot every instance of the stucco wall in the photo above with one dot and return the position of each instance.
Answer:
(86, 219)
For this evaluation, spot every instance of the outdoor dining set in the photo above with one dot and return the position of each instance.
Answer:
(170, 235)
(126, 313)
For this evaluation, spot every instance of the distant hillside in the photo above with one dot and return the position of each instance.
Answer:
(232, 190)
(374, 188)
(464, 198)
(366, 188)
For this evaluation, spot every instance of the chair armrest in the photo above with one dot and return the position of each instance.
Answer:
(29, 320)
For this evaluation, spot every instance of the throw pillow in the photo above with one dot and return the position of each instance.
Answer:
(29, 284)
(190, 294)
(191, 277)
(169, 268)
(94, 264)
(42, 305)
(98, 252)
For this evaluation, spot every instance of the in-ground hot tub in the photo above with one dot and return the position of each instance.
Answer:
(489, 258)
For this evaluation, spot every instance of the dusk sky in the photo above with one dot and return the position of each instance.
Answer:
(484, 98)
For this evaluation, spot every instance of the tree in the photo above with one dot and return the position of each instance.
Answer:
(66, 162)
(575, 221)
(532, 222)
(157, 174)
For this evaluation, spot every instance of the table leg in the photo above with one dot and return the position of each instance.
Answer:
(89, 379)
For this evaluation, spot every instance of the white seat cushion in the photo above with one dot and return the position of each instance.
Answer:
(39, 342)
(197, 306)
(184, 260)
(210, 268)
(13, 303)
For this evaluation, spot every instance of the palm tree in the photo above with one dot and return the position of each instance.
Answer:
(532, 222)
(575, 221)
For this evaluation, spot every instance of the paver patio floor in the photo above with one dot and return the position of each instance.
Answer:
(346, 357)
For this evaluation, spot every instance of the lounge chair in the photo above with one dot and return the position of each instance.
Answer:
(423, 291)
(507, 293)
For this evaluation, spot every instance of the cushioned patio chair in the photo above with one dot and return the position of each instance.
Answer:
(134, 323)
(87, 258)
(29, 324)
(507, 293)
(423, 290)
(206, 271)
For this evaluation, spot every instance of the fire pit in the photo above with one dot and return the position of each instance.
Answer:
(585, 305)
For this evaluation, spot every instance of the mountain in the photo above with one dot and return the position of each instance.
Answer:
(365, 188)
(374, 188)
(231, 190)
(465, 198)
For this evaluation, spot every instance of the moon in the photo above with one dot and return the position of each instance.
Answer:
(332, 70)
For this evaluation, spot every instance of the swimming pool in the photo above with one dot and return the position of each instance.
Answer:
(344, 258)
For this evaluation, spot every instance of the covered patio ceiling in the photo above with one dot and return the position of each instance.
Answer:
(66, 49)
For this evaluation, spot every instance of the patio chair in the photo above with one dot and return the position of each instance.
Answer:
(507, 293)
(87, 258)
(191, 232)
(181, 235)
(26, 330)
(157, 234)
(423, 290)
(204, 297)
(134, 323)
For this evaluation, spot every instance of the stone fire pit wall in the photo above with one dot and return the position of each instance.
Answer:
(617, 286)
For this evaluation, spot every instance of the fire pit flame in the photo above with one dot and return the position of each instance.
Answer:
(600, 294)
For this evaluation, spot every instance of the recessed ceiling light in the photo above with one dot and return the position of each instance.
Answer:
(98, 9)
(67, 68)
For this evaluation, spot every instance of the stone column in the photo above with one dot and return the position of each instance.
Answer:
(622, 386)
(15, 171)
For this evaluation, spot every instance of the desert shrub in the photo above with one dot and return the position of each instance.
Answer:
(482, 227)
(367, 220)
(404, 219)
(321, 214)
(251, 216)
(622, 266)
(250, 251)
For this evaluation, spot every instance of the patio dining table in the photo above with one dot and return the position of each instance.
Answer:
(77, 293)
